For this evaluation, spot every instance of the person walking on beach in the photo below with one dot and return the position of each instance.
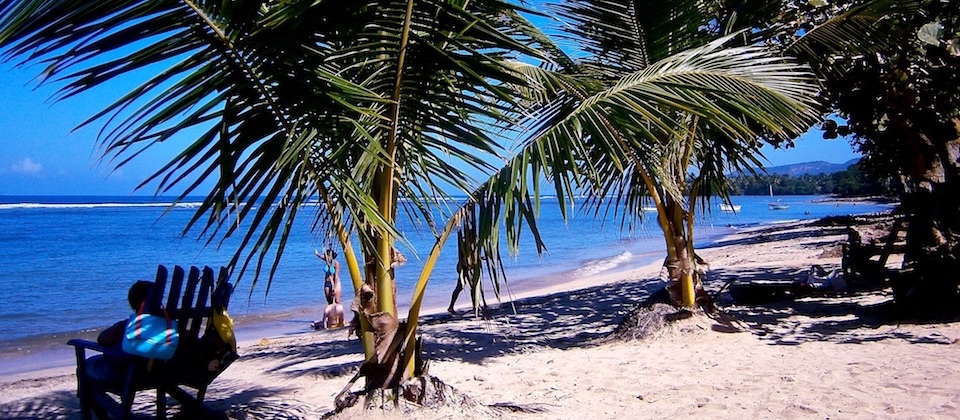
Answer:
(468, 272)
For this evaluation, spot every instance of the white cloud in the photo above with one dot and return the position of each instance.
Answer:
(26, 166)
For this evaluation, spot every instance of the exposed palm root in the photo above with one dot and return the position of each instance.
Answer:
(420, 392)
(645, 321)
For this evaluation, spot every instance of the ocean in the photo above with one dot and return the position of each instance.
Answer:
(66, 262)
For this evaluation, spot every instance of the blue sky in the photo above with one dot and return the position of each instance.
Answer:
(40, 154)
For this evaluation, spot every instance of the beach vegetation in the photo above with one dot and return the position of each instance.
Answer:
(853, 182)
(675, 157)
(684, 158)
(900, 104)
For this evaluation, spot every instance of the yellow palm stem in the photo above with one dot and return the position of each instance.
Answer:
(353, 266)
(414, 313)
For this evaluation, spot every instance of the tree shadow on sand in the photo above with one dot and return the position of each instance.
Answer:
(560, 320)
(306, 358)
(53, 405)
(64, 405)
(586, 317)
(842, 317)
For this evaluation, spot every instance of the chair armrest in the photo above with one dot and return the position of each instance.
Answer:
(85, 344)
(82, 345)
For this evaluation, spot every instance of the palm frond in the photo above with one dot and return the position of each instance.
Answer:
(628, 35)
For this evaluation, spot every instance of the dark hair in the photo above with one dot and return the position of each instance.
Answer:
(138, 293)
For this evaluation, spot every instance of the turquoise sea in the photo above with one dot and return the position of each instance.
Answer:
(66, 262)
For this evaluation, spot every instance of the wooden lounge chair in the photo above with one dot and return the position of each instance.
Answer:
(195, 364)
(859, 266)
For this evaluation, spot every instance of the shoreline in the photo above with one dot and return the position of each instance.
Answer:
(49, 354)
(53, 355)
(833, 356)
(25, 357)
(40, 353)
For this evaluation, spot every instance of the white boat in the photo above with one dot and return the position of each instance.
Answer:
(777, 205)
(730, 207)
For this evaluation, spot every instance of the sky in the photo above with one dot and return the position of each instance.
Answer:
(41, 153)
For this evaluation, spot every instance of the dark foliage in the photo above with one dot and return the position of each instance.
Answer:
(850, 183)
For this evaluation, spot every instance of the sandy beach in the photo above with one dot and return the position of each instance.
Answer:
(833, 356)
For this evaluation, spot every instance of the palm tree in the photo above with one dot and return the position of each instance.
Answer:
(366, 107)
(669, 99)
(639, 52)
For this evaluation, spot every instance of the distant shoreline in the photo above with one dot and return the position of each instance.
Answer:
(871, 199)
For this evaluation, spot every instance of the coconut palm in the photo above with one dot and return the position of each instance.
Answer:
(643, 59)
(367, 108)
(633, 49)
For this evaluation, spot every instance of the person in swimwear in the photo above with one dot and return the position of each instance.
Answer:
(331, 274)
(333, 313)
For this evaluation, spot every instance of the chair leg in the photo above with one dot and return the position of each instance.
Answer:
(82, 396)
(85, 411)
(128, 394)
(161, 403)
(82, 393)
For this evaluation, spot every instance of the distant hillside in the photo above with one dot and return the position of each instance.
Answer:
(812, 168)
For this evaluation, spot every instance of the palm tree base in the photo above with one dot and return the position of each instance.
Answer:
(657, 316)
(423, 392)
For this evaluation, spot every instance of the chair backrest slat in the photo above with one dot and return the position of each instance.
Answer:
(200, 309)
(176, 283)
(160, 282)
(223, 290)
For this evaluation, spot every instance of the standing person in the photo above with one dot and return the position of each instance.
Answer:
(468, 261)
(333, 313)
(331, 273)
(468, 275)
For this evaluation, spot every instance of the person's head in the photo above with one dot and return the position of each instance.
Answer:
(331, 254)
(328, 293)
(138, 293)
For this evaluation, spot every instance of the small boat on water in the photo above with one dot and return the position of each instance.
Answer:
(730, 207)
(777, 205)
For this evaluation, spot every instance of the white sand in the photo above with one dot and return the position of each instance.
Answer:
(829, 357)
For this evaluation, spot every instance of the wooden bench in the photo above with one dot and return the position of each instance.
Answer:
(200, 356)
